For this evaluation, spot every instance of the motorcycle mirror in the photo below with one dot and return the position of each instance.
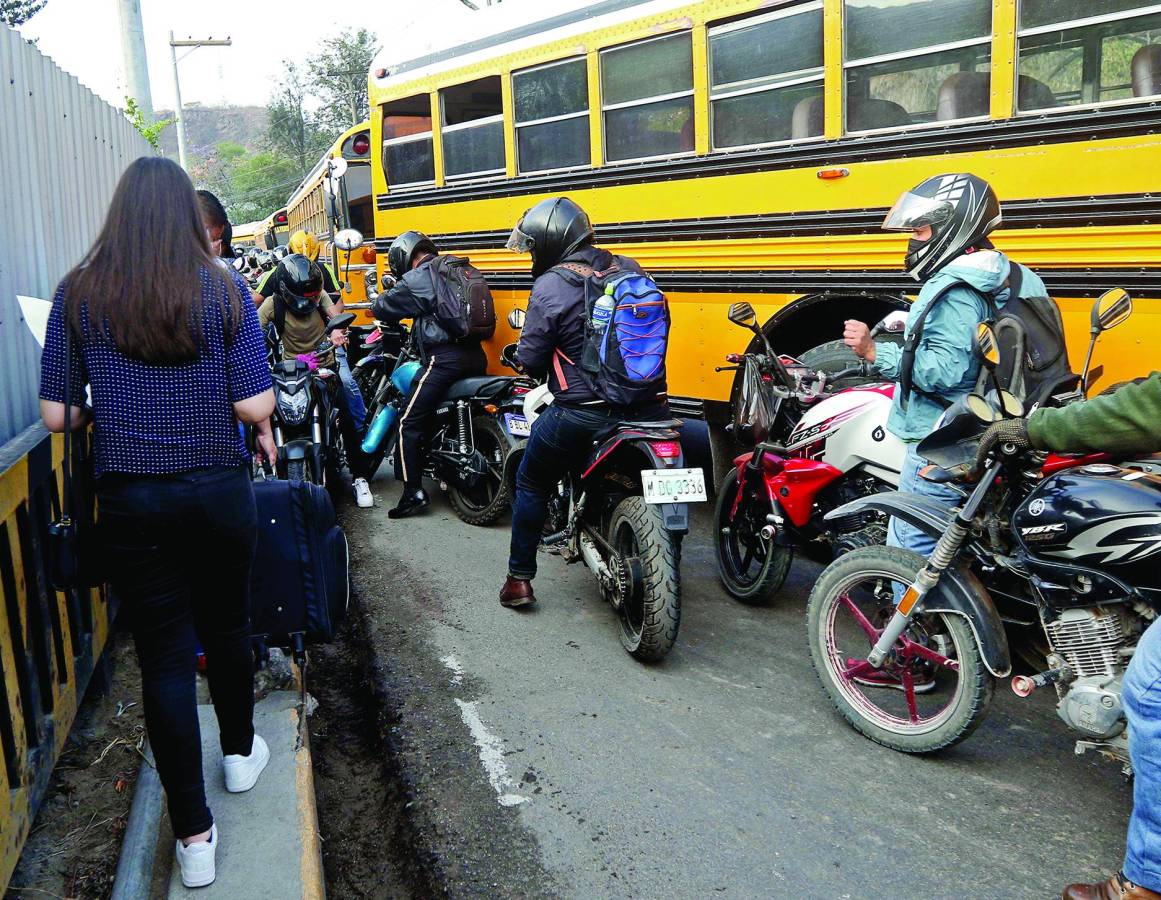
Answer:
(984, 411)
(516, 318)
(893, 323)
(349, 239)
(1111, 309)
(742, 314)
(987, 346)
(389, 281)
(1010, 405)
(342, 320)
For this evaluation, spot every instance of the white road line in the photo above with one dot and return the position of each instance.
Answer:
(455, 668)
(491, 754)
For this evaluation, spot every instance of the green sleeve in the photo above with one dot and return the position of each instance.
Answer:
(1128, 421)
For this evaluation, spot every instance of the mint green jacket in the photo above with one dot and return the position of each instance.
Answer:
(946, 363)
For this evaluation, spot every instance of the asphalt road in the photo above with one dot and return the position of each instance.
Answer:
(545, 761)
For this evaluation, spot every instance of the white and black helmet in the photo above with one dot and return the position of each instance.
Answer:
(962, 211)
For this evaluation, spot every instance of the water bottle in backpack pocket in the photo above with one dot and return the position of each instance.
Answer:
(626, 339)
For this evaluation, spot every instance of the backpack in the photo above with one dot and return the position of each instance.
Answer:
(463, 300)
(625, 362)
(1030, 337)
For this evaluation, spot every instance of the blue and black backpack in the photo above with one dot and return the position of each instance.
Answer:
(625, 363)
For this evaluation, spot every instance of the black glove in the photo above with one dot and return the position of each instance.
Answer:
(1009, 431)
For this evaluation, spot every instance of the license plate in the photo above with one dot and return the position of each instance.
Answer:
(517, 425)
(673, 485)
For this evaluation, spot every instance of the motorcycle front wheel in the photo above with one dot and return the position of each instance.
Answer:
(488, 499)
(650, 617)
(932, 691)
(751, 568)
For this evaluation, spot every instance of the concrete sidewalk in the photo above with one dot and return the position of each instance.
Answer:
(268, 837)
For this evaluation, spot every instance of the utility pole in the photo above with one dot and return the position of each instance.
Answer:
(133, 56)
(178, 113)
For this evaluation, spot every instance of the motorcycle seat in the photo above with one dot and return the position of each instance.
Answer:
(466, 388)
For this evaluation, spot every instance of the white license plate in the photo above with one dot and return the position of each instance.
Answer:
(517, 425)
(673, 485)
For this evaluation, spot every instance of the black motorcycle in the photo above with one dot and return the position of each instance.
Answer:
(306, 415)
(908, 649)
(475, 427)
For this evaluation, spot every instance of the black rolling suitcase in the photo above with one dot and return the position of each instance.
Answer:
(299, 588)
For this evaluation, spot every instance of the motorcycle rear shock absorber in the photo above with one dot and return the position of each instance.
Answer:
(465, 426)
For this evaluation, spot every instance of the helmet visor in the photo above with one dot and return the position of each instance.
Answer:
(519, 242)
(912, 211)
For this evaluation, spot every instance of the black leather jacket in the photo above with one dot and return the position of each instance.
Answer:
(413, 297)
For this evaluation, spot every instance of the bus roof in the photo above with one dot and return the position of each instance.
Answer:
(509, 32)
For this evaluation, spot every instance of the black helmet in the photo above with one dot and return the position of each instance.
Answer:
(403, 249)
(962, 211)
(550, 231)
(299, 284)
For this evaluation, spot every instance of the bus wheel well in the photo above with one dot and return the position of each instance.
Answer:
(818, 318)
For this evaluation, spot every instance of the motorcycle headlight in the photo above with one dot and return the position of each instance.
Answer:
(292, 407)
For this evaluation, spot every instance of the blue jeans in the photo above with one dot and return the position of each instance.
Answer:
(1142, 699)
(356, 409)
(900, 534)
(562, 437)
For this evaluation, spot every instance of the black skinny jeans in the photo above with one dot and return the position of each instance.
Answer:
(179, 549)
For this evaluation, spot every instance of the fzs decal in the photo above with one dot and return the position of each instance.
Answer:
(1113, 542)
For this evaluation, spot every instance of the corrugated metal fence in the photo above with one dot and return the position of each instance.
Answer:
(62, 150)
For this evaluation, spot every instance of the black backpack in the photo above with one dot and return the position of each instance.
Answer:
(463, 300)
(1030, 336)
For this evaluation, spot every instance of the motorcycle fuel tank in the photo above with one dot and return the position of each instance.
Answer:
(1098, 516)
(849, 429)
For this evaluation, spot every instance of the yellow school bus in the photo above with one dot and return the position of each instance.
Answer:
(272, 231)
(749, 150)
(311, 208)
(245, 235)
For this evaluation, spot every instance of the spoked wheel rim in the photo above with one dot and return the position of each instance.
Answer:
(632, 608)
(484, 492)
(919, 687)
(743, 549)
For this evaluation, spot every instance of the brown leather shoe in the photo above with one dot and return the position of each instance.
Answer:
(516, 592)
(1118, 887)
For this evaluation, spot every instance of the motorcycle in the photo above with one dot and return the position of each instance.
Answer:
(306, 417)
(815, 450)
(475, 426)
(624, 514)
(909, 649)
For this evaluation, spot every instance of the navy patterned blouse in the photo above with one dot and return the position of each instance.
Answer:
(156, 420)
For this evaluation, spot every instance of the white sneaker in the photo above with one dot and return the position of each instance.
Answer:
(197, 861)
(363, 493)
(243, 771)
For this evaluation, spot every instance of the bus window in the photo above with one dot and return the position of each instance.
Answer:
(762, 70)
(407, 144)
(918, 62)
(357, 186)
(551, 106)
(1062, 64)
(647, 98)
(473, 128)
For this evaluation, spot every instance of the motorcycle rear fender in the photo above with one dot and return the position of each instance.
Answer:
(927, 514)
(674, 515)
(960, 593)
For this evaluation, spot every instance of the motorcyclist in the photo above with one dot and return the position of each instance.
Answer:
(299, 311)
(305, 244)
(950, 218)
(559, 236)
(1127, 421)
(411, 258)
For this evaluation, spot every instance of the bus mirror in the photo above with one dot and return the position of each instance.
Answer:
(742, 314)
(348, 239)
(986, 344)
(516, 318)
(338, 168)
(332, 205)
(1111, 309)
(268, 240)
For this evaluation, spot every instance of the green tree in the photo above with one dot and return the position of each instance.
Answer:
(294, 132)
(17, 12)
(250, 185)
(338, 78)
(151, 132)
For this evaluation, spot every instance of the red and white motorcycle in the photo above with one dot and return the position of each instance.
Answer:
(815, 449)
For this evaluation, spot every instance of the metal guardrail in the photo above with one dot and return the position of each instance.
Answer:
(50, 642)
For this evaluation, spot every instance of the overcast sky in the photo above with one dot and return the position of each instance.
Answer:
(83, 38)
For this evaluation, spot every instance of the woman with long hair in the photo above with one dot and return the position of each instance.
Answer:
(174, 356)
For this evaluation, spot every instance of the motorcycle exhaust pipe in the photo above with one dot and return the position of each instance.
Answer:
(1024, 685)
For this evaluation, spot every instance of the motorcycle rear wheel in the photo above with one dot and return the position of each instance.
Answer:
(751, 569)
(936, 656)
(649, 621)
(489, 499)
